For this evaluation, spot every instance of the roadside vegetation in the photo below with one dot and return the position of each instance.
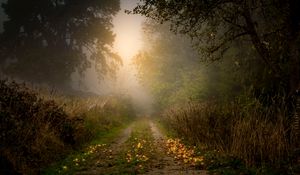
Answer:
(223, 76)
(236, 140)
(97, 152)
(108, 156)
(37, 130)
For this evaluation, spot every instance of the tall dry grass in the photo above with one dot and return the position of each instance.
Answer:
(250, 131)
(37, 128)
(259, 141)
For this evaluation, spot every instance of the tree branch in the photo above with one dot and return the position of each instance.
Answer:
(215, 48)
(258, 44)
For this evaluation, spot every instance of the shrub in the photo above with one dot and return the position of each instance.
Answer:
(38, 129)
(31, 129)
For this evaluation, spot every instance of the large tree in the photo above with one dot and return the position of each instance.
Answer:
(47, 40)
(271, 27)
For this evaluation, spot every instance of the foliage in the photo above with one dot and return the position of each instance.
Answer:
(171, 70)
(46, 41)
(160, 64)
(256, 44)
(271, 28)
(36, 132)
(32, 129)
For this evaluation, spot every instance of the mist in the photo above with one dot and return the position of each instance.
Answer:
(149, 87)
(89, 77)
(127, 43)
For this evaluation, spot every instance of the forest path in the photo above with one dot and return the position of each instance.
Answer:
(167, 164)
(140, 149)
(105, 156)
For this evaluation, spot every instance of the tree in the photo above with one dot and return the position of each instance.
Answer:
(169, 68)
(47, 40)
(161, 63)
(272, 28)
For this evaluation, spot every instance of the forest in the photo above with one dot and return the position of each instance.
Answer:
(218, 87)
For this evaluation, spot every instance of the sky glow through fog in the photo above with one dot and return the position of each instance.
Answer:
(128, 31)
(128, 41)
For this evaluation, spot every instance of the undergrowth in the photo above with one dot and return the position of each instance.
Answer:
(38, 129)
(236, 137)
(80, 159)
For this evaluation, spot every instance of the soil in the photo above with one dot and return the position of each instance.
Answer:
(167, 164)
(105, 160)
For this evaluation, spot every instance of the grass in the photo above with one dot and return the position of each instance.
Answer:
(78, 159)
(134, 157)
(138, 151)
(234, 138)
(165, 128)
(38, 129)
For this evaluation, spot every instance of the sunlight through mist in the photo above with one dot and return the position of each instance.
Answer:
(128, 31)
(128, 42)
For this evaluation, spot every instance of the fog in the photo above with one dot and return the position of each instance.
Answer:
(95, 78)
(128, 41)
(167, 73)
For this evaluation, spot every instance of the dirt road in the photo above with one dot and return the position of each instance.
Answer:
(140, 149)
(167, 164)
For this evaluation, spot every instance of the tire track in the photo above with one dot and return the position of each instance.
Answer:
(104, 162)
(167, 164)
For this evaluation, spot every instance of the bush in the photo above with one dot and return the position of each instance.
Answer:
(31, 129)
(38, 129)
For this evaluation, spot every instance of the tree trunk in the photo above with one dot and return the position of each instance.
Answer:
(258, 44)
